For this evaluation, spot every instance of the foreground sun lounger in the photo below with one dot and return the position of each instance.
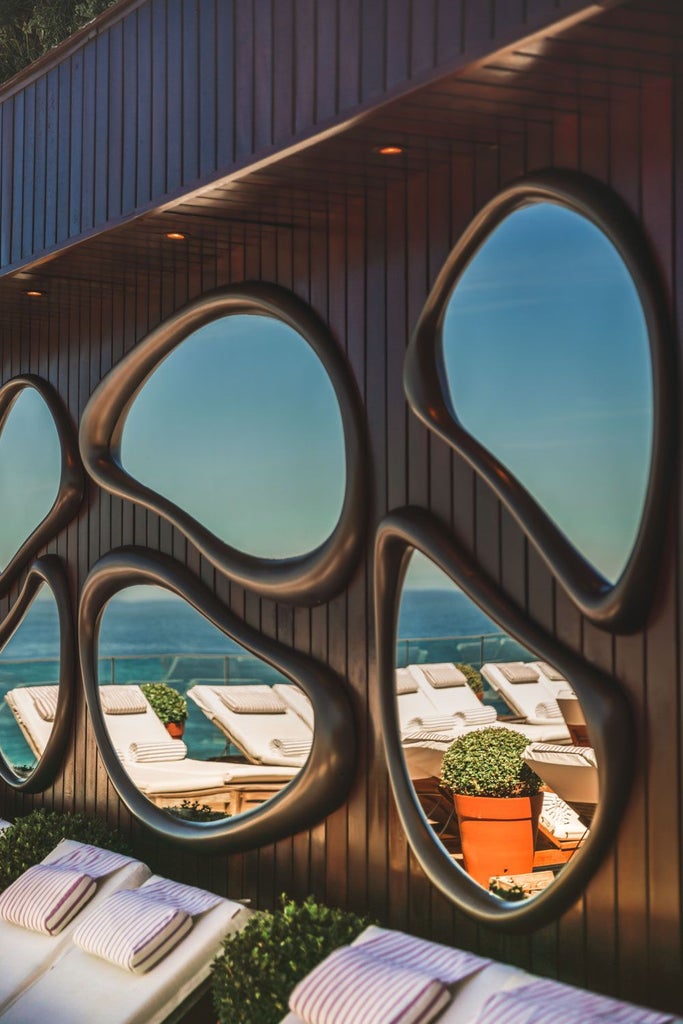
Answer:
(571, 772)
(84, 987)
(426, 982)
(29, 953)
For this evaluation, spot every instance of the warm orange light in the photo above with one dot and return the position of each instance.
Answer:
(390, 150)
(33, 293)
(176, 236)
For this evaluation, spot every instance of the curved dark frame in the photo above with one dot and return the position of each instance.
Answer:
(305, 579)
(603, 702)
(72, 478)
(47, 570)
(323, 782)
(622, 606)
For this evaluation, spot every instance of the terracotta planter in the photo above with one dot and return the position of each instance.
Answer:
(175, 729)
(497, 834)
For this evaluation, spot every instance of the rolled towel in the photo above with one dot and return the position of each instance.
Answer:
(161, 750)
(433, 723)
(291, 748)
(353, 987)
(548, 709)
(476, 716)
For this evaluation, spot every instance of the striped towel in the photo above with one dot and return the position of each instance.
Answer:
(405, 682)
(547, 1002)
(548, 709)
(291, 748)
(570, 754)
(46, 897)
(428, 736)
(476, 716)
(353, 987)
(162, 750)
(433, 723)
(94, 861)
(183, 897)
(132, 931)
(519, 672)
(550, 673)
(122, 700)
(442, 962)
(45, 701)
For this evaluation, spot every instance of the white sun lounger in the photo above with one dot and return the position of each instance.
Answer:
(35, 728)
(276, 737)
(571, 772)
(29, 953)
(527, 695)
(83, 988)
(296, 699)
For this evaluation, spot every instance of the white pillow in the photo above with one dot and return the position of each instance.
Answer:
(184, 897)
(132, 931)
(46, 897)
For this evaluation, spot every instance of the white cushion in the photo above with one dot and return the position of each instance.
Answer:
(352, 987)
(122, 700)
(46, 897)
(132, 931)
(441, 676)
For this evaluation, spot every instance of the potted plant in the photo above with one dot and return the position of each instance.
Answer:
(497, 801)
(169, 705)
(252, 977)
(474, 680)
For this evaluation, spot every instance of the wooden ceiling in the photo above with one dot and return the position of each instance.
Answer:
(488, 109)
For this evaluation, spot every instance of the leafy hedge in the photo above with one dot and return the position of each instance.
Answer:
(29, 28)
(488, 762)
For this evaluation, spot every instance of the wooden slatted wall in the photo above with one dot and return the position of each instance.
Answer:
(367, 271)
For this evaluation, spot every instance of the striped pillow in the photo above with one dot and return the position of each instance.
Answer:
(122, 700)
(547, 1002)
(519, 673)
(46, 897)
(476, 716)
(291, 748)
(253, 703)
(132, 930)
(94, 861)
(548, 709)
(45, 701)
(159, 750)
(405, 682)
(352, 987)
(443, 962)
(443, 676)
(550, 672)
(183, 897)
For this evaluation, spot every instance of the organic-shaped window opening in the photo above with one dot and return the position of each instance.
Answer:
(238, 420)
(37, 667)
(542, 356)
(547, 362)
(267, 743)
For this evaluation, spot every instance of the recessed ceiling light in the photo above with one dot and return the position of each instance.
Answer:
(33, 293)
(390, 150)
(176, 236)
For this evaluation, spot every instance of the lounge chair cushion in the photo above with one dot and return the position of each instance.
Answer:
(184, 897)
(122, 700)
(132, 930)
(546, 1002)
(252, 703)
(93, 860)
(520, 673)
(45, 700)
(46, 897)
(352, 986)
(550, 672)
(442, 676)
(162, 750)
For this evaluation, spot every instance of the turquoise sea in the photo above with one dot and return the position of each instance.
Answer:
(167, 640)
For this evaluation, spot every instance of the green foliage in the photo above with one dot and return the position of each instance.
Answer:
(192, 810)
(488, 762)
(260, 965)
(169, 705)
(510, 891)
(474, 680)
(31, 838)
(29, 28)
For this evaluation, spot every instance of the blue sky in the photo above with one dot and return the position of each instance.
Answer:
(547, 360)
(30, 468)
(240, 426)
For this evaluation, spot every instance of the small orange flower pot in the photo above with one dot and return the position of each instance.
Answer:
(175, 729)
(497, 835)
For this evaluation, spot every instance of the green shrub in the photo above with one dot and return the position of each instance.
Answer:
(474, 680)
(488, 762)
(512, 892)
(260, 965)
(169, 705)
(31, 838)
(192, 810)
